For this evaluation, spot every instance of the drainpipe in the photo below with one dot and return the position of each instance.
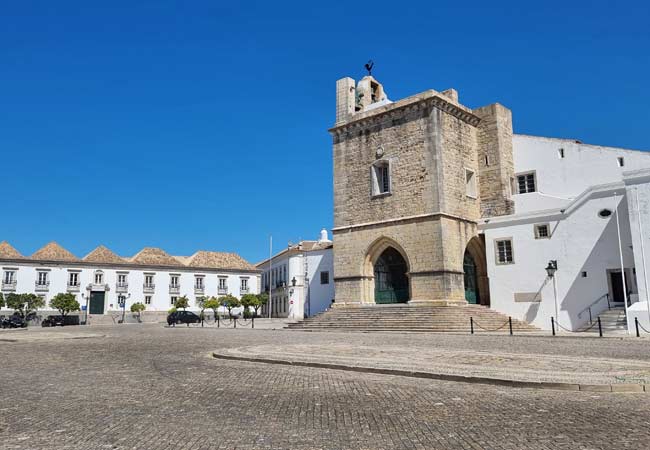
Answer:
(620, 253)
(645, 273)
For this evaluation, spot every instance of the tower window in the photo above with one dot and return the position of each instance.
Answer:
(621, 161)
(470, 183)
(380, 174)
(560, 153)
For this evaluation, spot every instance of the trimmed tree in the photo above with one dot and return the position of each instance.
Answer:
(2, 300)
(182, 303)
(230, 302)
(24, 304)
(213, 304)
(251, 301)
(65, 304)
(137, 308)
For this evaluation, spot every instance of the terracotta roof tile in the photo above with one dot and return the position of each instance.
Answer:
(154, 256)
(103, 255)
(218, 260)
(54, 252)
(7, 251)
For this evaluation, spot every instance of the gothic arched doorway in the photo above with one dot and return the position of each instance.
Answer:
(471, 280)
(477, 286)
(391, 281)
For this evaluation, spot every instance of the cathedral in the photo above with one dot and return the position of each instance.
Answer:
(436, 203)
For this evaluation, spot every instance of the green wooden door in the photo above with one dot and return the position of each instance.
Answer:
(97, 302)
(391, 282)
(469, 269)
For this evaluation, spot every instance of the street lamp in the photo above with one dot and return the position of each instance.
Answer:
(551, 268)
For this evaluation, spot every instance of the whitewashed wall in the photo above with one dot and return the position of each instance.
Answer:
(560, 179)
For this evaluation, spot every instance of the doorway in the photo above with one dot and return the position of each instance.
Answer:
(391, 282)
(97, 302)
(616, 281)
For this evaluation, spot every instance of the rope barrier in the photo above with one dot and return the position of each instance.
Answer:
(486, 329)
(576, 331)
(244, 322)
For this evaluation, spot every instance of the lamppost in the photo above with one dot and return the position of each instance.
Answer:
(124, 299)
(551, 268)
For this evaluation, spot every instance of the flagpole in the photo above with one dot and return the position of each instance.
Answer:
(620, 253)
(270, 273)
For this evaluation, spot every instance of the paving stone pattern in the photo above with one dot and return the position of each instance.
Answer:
(150, 387)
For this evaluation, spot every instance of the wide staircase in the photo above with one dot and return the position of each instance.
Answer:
(403, 317)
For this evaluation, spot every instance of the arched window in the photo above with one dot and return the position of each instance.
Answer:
(381, 177)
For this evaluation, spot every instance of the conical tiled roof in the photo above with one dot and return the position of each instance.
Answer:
(154, 256)
(218, 260)
(103, 255)
(54, 252)
(7, 251)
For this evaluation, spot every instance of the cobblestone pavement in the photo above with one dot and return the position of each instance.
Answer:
(494, 364)
(150, 387)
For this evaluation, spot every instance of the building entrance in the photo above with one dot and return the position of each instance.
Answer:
(391, 282)
(97, 302)
(471, 280)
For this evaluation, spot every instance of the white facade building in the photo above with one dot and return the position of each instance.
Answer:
(300, 279)
(575, 204)
(103, 281)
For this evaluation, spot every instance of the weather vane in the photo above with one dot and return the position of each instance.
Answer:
(369, 65)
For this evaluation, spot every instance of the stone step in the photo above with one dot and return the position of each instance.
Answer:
(410, 318)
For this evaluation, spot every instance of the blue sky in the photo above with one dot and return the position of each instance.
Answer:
(202, 125)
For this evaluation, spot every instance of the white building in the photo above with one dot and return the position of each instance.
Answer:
(300, 279)
(573, 202)
(102, 281)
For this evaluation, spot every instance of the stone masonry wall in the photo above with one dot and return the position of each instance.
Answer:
(496, 174)
(405, 139)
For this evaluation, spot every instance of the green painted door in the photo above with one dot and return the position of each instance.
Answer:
(97, 302)
(469, 269)
(391, 282)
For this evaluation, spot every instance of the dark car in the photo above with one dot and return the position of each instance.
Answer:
(15, 321)
(53, 321)
(187, 317)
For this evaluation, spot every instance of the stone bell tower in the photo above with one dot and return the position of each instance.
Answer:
(411, 180)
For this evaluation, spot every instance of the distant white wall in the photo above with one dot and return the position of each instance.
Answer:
(26, 275)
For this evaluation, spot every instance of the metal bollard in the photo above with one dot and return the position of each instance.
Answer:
(235, 323)
(600, 327)
(218, 323)
(636, 325)
(471, 325)
(510, 324)
(553, 325)
(253, 322)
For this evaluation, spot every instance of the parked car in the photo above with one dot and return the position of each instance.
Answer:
(53, 321)
(187, 317)
(15, 321)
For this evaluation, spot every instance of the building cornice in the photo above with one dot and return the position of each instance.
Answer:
(559, 213)
(120, 266)
(401, 219)
(417, 102)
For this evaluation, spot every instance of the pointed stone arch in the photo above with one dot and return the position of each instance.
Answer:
(372, 255)
(475, 250)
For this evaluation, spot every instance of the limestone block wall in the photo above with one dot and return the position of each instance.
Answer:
(405, 140)
(495, 156)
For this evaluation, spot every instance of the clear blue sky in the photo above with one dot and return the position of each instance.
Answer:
(198, 125)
